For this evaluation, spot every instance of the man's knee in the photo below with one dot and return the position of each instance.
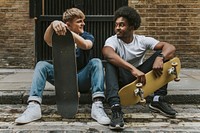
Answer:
(96, 62)
(41, 65)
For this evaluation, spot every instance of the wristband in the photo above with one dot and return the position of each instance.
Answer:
(161, 55)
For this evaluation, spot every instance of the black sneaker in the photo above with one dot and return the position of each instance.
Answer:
(163, 107)
(117, 121)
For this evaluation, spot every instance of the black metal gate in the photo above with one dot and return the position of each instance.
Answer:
(99, 20)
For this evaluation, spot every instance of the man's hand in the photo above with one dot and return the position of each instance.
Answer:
(140, 76)
(158, 66)
(59, 27)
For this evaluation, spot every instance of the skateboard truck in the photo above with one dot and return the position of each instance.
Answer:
(173, 71)
(139, 92)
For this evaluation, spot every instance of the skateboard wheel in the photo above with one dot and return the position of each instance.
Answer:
(177, 79)
(174, 64)
(143, 101)
(139, 85)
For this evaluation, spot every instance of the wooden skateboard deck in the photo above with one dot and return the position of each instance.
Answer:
(134, 92)
(65, 73)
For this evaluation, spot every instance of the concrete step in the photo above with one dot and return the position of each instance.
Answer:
(137, 119)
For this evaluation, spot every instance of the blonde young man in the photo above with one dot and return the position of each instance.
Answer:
(90, 71)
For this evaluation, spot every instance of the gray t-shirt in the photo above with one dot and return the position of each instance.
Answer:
(133, 52)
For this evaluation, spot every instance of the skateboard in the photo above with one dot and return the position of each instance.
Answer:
(65, 74)
(135, 92)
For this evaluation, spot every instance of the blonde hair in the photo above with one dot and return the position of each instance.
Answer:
(72, 13)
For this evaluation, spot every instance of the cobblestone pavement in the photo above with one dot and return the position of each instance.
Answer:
(138, 118)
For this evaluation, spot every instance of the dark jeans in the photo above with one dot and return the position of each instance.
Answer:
(117, 77)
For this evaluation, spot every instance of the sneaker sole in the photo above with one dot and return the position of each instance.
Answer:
(160, 111)
(100, 122)
(21, 123)
(117, 127)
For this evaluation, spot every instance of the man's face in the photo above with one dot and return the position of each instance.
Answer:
(77, 25)
(122, 28)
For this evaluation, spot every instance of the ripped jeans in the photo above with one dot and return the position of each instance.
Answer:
(90, 78)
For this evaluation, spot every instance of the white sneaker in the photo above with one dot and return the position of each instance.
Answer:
(32, 113)
(98, 113)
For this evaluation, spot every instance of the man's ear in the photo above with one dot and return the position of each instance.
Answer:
(67, 23)
(131, 28)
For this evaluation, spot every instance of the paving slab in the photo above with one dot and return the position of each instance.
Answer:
(18, 82)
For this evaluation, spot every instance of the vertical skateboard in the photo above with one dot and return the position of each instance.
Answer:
(135, 92)
(65, 74)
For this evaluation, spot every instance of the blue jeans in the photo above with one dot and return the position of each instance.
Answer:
(116, 78)
(90, 78)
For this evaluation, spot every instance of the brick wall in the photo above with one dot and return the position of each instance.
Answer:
(16, 35)
(173, 21)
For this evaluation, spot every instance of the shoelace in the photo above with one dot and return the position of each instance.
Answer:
(101, 111)
(164, 101)
(117, 114)
(168, 106)
(27, 109)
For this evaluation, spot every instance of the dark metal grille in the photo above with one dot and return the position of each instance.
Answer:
(56, 7)
(99, 21)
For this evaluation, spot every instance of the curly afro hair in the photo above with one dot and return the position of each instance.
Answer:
(130, 14)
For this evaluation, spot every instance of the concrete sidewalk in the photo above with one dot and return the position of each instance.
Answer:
(15, 85)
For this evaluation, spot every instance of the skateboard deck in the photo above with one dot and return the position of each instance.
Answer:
(135, 92)
(65, 74)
